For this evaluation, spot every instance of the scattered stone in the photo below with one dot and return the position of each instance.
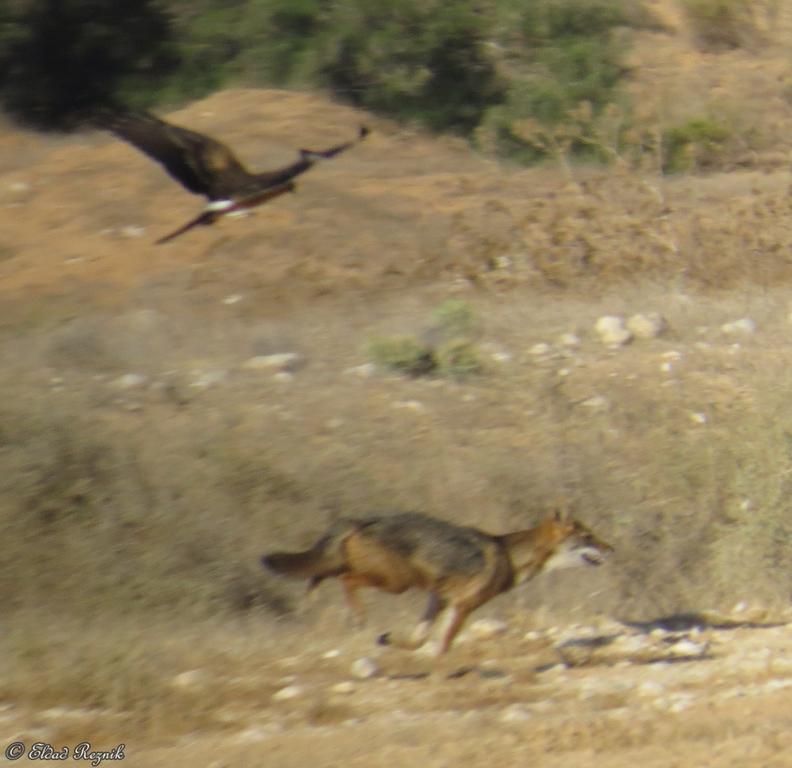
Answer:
(252, 735)
(281, 361)
(365, 371)
(515, 713)
(234, 298)
(191, 680)
(409, 405)
(289, 692)
(647, 326)
(596, 404)
(283, 376)
(611, 331)
(484, 629)
(686, 648)
(130, 381)
(569, 340)
(697, 417)
(364, 668)
(743, 327)
(650, 688)
(132, 231)
(345, 686)
(540, 349)
(208, 379)
(333, 653)
(502, 357)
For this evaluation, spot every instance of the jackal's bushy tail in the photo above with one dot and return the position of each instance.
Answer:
(323, 559)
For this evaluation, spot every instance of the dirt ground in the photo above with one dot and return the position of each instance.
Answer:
(370, 244)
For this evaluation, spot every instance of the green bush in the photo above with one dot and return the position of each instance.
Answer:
(719, 24)
(403, 354)
(566, 54)
(448, 348)
(693, 145)
(458, 359)
(62, 58)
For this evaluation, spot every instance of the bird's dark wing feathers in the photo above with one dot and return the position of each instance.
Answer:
(307, 159)
(200, 163)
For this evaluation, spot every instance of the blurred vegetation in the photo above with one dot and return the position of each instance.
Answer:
(478, 68)
(721, 24)
(447, 348)
(62, 58)
(695, 144)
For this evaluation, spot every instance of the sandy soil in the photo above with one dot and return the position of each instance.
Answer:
(399, 221)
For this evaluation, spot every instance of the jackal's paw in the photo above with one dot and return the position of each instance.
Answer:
(384, 639)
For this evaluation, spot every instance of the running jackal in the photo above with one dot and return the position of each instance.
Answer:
(461, 568)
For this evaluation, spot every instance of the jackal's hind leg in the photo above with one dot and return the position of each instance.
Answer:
(422, 630)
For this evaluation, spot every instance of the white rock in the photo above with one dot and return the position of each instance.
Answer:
(251, 735)
(698, 418)
(540, 349)
(569, 340)
(333, 653)
(650, 688)
(233, 298)
(409, 405)
(611, 331)
(597, 403)
(647, 326)
(345, 686)
(207, 379)
(130, 381)
(484, 629)
(281, 361)
(192, 679)
(289, 692)
(686, 647)
(365, 371)
(364, 668)
(515, 713)
(132, 231)
(744, 326)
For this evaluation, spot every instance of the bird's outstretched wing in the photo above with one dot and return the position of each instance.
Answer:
(324, 154)
(200, 163)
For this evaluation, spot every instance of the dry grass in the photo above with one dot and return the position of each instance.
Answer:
(132, 514)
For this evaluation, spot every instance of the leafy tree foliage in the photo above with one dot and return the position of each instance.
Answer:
(61, 58)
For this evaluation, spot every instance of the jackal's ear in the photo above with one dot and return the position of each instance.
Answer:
(562, 510)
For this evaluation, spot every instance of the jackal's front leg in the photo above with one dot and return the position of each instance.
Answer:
(356, 613)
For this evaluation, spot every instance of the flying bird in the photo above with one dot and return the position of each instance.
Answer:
(208, 167)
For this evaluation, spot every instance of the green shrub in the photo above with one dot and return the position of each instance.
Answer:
(566, 55)
(59, 59)
(403, 354)
(448, 349)
(454, 317)
(693, 145)
(719, 24)
(458, 359)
